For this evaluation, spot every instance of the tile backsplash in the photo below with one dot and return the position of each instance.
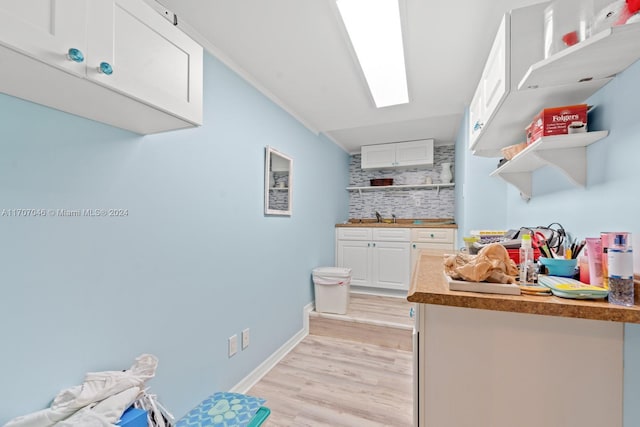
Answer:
(404, 203)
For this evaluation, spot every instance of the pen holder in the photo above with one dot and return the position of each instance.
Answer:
(560, 267)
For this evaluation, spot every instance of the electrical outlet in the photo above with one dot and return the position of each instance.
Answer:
(233, 345)
(245, 338)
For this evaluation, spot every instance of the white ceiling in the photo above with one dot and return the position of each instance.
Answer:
(296, 52)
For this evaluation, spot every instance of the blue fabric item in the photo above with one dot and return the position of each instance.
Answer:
(133, 417)
(222, 409)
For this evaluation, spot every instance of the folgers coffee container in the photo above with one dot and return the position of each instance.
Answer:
(558, 121)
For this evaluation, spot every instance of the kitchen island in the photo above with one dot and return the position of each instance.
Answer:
(503, 360)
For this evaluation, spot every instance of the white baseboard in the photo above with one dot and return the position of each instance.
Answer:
(256, 375)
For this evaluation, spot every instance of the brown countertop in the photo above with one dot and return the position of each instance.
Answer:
(429, 286)
(402, 223)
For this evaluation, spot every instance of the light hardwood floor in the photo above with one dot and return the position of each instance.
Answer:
(329, 381)
(370, 319)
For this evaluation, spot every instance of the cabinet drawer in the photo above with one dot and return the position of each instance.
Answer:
(392, 234)
(433, 248)
(354, 233)
(436, 235)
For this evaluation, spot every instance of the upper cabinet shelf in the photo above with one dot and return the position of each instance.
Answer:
(601, 56)
(565, 152)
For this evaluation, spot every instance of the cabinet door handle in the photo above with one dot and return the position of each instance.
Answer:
(75, 55)
(478, 125)
(414, 246)
(432, 236)
(374, 245)
(368, 245)
(105, 68)
(411, 312)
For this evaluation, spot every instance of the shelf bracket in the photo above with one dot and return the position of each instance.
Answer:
(570, 161)
(521, 180)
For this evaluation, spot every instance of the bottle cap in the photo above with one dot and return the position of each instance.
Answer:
(526, 240)
(620, 240)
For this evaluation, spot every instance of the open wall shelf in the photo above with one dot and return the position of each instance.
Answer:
(568, 153)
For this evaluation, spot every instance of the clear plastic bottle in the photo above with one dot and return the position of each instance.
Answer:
(528, 274)
(620, 260)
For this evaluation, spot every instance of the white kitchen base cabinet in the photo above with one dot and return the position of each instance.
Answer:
(132, 68)
(436, 241)
(357, 256)
(378, 258)
(500, 369)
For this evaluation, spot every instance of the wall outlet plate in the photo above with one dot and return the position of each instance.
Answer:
(233, 345)
(245, 338)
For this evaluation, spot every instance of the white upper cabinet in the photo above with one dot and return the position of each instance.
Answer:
(517, 82)
(129, 66)
(151, 60)
(399, 154)
(518, 43)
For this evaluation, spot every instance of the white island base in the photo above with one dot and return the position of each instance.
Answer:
(483, 368)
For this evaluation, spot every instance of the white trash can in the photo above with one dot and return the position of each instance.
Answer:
(331, 286)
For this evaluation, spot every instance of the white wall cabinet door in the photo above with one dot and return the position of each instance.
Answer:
(494, 76)
(378, 156)
(356, 255)
(391, 262)
(414, 153)
(151, 60)
(476, 115)
(492, 87)
(45, 30)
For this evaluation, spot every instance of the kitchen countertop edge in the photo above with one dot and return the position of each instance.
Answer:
(429, 286)
(402, 223)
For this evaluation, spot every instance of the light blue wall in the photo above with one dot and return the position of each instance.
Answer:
(480, 198)
(194, 262)
(609, 201)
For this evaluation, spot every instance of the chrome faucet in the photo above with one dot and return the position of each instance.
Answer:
(378, 216)
(394, 218)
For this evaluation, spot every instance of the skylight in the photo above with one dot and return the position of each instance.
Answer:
(376, 35)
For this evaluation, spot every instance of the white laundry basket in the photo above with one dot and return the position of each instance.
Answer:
(331, 286)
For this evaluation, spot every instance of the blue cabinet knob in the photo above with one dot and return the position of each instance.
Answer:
(105, 68)
(75, 55)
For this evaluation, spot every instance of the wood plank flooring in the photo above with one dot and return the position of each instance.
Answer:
(370, 319)
(330, 381)
(374, 309)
